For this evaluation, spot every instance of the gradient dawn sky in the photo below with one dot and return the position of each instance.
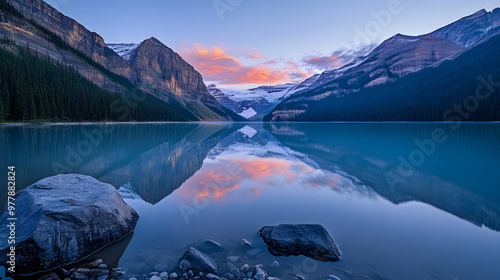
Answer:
(246, 43)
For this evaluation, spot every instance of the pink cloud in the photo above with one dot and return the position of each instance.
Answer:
(216, 64)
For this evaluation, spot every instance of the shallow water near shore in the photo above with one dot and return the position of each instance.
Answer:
(400, 202)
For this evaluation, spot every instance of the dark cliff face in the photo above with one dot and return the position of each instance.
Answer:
(75, 34)
(160, 71)
(24, 33)
(153, 66)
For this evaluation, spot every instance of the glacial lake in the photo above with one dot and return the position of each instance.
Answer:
(402, 201)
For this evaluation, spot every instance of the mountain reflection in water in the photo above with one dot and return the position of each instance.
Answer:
(190, 182)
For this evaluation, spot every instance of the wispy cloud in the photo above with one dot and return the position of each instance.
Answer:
(323, 62)
(336, 59)
(249, 53)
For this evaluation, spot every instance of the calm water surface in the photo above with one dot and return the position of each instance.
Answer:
(398, 204)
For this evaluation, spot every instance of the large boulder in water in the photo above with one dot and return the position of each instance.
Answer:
(64, 218)
(309, 240)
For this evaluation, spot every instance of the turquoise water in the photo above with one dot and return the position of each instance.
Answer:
(402, 201)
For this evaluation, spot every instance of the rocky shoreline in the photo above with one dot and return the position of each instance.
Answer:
(199, 264)
(66, 218)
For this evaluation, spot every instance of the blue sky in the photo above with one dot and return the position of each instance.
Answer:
(251, 42)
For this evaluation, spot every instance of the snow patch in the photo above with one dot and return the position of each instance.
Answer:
(270, 93)
(124, 50)
(248, 131)
(248, 113)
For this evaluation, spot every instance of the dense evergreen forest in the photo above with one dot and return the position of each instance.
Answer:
(443, 93)
(37, 89)
(34, 88)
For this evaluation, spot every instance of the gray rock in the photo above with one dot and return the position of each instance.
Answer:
(96, 263)
(245, 242)
(197, 261)
(244, 268)
(102, 266)
(173, 275)
(85, 273)
(163, 275)
(299, 277)
(309, 240)
(62, 219)
(161, 267)
(259, 273)
(275, 264)
(154, 277)
(210, 276)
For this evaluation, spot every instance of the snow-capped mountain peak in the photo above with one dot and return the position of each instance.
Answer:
(471, 29)
(124, 49)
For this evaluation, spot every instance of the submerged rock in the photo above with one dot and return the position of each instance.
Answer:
(233, 259)
(197, 261)
(259, 273)
(210, 246)
(275, 264)
(210, 276)
(245, 243)
(161, 267)
(309, 240)
(62, 219)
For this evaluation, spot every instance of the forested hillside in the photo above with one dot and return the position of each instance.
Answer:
(36, 89)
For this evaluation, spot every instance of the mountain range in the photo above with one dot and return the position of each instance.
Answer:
(390, 61)
(149, 67)
(366, 89)
(405, 78)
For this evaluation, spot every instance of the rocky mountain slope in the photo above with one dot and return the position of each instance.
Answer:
(464, 32)
(393, 59)
(471, 29)
(442, 92)
(152, 66)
